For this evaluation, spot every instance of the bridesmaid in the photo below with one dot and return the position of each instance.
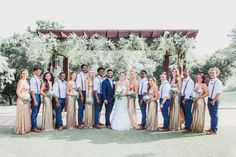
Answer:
(47, 115)
(71, 93)
(132, 105)
(23, 119)
(199, 105)
(175, 109)
(152, 118)
(89, 104)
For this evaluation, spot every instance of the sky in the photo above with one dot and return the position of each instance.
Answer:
(213, 18)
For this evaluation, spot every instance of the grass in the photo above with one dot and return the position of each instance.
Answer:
(109, 143)
(105, 142)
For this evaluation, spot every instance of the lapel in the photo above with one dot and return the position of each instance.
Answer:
(109, 84)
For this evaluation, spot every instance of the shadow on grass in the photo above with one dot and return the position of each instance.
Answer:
(101, 136)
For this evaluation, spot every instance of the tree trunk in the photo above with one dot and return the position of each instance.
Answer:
(166, 64)
(10, 99)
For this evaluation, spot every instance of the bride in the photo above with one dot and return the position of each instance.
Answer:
(120, 119)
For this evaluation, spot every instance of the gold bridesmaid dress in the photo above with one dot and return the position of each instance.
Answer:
(152, 115)
(175, 113)
(132, 111)
(71, 118)
(47, 115)
(198, 113)
(89, 108)
(23, 118)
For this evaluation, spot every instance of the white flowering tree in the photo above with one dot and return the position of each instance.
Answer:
(128, 54)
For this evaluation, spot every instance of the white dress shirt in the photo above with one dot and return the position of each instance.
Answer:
(59, 88)
(80, 81)
(187, 88)
(111, 81)
(35, 84)
(143, 86)
(214, 87)
(98, 84)
(165, 89)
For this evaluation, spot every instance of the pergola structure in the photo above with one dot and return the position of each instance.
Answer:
(113, 35)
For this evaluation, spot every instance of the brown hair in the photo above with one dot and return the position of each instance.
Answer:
(177, 75)
(21, 71)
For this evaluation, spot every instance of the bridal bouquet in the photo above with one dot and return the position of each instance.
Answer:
(119, 91)
(89, 100)
(146, 98)
(75, 94)
(51, 94)
(195, 95)
(174, 90)
(26, 98)
(131, 94)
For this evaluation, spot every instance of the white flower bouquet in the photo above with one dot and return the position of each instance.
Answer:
(89, 101)
(174, 90)
(118, 93)
(26, 98)
(51, 94)
(75, 94)
(131, 94)
(194, 96)
(146, 98)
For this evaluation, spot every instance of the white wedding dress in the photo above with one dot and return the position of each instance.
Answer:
(120, 120)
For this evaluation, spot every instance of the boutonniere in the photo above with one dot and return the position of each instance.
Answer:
(114, 82)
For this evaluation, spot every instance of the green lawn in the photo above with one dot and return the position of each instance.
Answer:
(109, 143)
(105, 142)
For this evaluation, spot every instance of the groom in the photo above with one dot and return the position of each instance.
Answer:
(108, 90)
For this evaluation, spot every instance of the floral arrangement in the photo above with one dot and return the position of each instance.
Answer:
(146, 98)
(119, 91)
(174, 90)
(195, 95)
(75, 94)
(26, 98)
(131, 94)
(89, 100)
(51, 94)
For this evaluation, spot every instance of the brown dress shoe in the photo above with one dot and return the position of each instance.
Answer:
(186, 131)
(208, 130)
(80, 127)
(164, 129)
(97, 126)
(36, 130)
(211, 133)
(141, 128)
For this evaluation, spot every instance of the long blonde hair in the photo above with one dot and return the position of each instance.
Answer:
(177, 75)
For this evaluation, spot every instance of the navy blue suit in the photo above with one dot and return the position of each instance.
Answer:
(108, 92)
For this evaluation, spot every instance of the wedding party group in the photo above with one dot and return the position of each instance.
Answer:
(83, 95)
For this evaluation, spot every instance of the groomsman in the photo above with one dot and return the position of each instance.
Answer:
(80, 83)
(215, 90)
(35, 85)
(59, 88)
(98, 99)
(186, 91)
(143, 86)
(108, 91)
(165, 100)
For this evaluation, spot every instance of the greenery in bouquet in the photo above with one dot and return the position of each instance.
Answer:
(51, 94)
(26, 98)
(131, 95)
(119, 91)
(89, 100)
(174, 90)
(75, 94)
(195, 96)
(146, 98)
